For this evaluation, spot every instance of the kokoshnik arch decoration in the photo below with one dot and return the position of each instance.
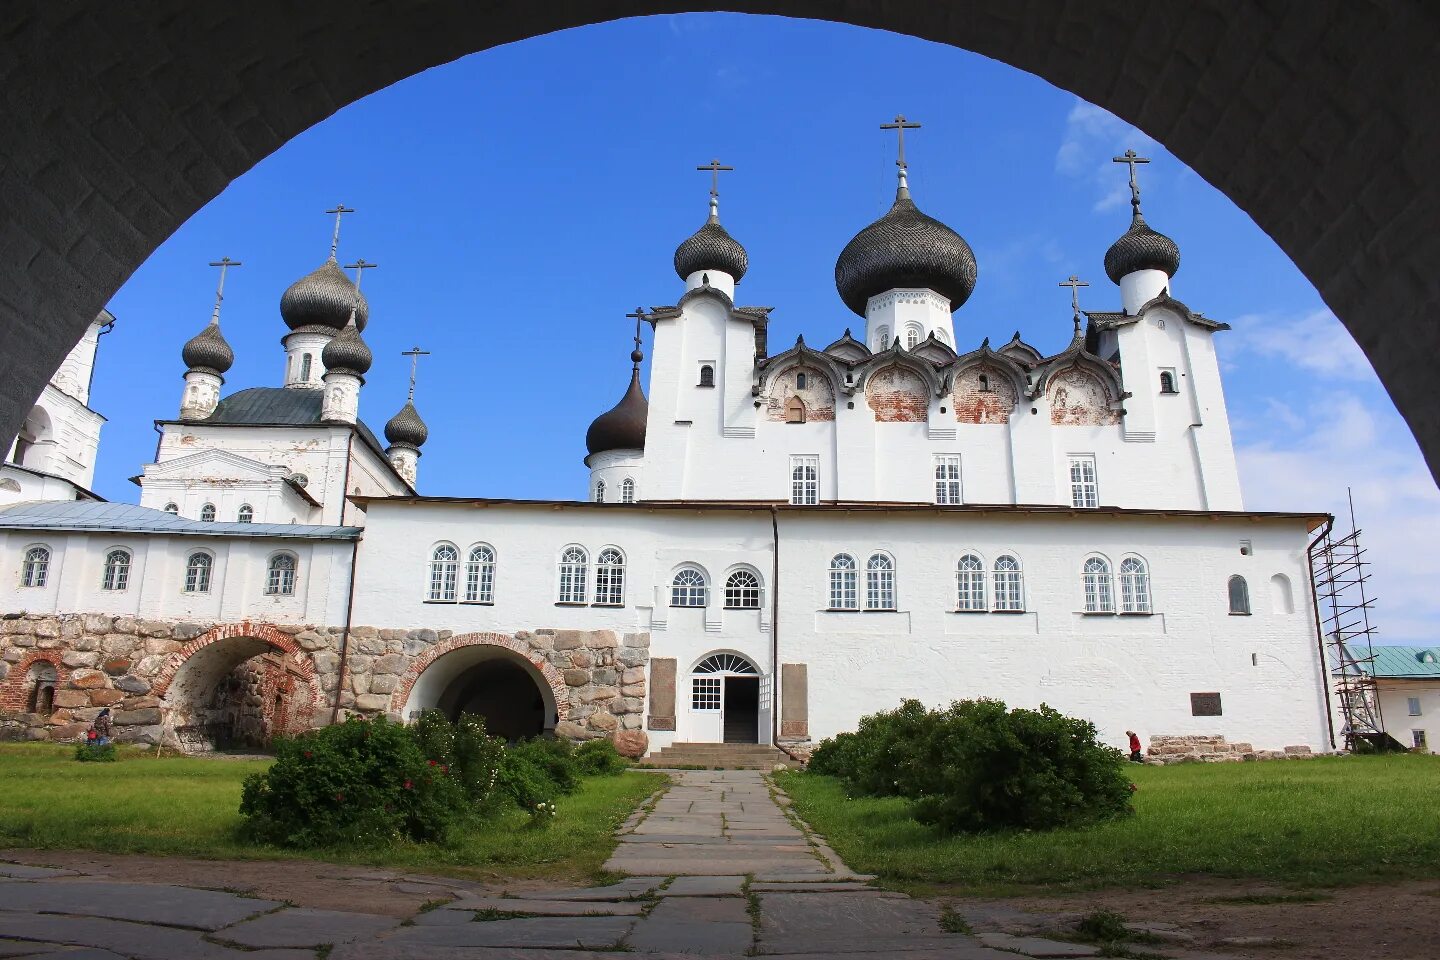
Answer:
(123, 120)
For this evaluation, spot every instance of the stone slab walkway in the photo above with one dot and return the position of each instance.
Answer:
(715, 867)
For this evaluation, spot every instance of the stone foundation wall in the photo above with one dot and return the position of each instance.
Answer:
(1214, 749)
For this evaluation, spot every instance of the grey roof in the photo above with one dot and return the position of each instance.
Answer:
(905, 248)
(324, 298)
(76, 515)
(711, 248)
(208, 350)
(1141, 248)
(278, 407)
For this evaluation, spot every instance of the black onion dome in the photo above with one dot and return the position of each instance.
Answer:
(1141, 248)
(406, 428)
(905, 248)
(323, 297)
(346, 351)
(208, 350)
(623, 426)
(711, 248)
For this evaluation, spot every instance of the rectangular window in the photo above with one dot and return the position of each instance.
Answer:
(804, 481)
(947, 478)
(1414, 704)
(1084, 492)
(705, 693)
(1417, 737)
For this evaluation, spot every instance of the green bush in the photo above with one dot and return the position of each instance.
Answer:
(978, 766)
(538, 770)
(471, 756)
(361, 781)
(600, 758)
(93, 753)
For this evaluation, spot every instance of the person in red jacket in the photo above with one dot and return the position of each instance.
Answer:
(1134, 746)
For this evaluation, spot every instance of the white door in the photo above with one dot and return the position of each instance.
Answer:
(707, 714)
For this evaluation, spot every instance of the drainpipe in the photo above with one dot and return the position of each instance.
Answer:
(775, 625)
(345, 635)
(1320, 631)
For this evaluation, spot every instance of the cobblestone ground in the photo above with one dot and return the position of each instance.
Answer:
(716, 867)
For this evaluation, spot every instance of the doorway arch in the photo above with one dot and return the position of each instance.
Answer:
(489, 675)
(726, 699)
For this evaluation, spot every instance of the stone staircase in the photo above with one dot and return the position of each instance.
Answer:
(731, 756)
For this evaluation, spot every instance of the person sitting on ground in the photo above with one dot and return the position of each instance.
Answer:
(1134, 746)
(102, 728)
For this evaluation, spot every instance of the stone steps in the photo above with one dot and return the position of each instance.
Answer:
(733, 756)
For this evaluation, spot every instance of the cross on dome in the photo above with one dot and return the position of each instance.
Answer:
(1130, 158)
(224, 263)
(339, 211)
(414, 353)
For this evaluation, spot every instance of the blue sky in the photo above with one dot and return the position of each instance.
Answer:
(520, 201)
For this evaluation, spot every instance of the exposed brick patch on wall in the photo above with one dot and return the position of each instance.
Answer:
(15, 691)
(818, 395)
(988, 400)
(1078, 398)
(553, 678)
(897, 395)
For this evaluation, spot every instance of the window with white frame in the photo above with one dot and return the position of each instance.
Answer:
(599, 491)
(882, 338)
(1084, 492)
(1134, 586)
(688, 588)
(172, 508)
(480, 574)
(1167, 380)
(880, 582)
(1413, 703)
(705, 693)
(844, 583)
(1009, 585)
(947, 478)
(912, 336)
(627, 490)
(197, 572)
(117, 570)
(207, 512)
(35, 571)
(574, 570)
(246, 514)
(742, 591)
(1417, 739)
(805, 480)
(1099, 595)
(970, 583)
(444, 573)
(280, 575)
(610, 578)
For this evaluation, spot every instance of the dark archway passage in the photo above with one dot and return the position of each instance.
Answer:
(1314, 118)
(502, 692)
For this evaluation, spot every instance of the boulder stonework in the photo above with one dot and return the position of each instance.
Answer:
(182, 682)
(1200, 748)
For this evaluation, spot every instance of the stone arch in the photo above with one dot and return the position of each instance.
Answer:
(984, 393)
(482, 647)
(15, 690)
(1080, 398)
(897, 394)
(817, 397)
(278, 674)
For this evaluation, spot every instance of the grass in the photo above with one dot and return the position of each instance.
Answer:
(1328, 821)
(189, 806)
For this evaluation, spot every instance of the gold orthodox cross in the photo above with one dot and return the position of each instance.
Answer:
(339, 211)
(900, 126)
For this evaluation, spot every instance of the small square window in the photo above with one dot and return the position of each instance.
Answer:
(1414, 704)
(1205, 705)
(1417, 737)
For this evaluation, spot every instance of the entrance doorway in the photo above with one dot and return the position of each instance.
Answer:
(489, 681)
(742, 709)
(725, 700)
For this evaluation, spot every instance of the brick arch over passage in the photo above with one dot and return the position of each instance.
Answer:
(124, 121)
(228, 645)
(558, 689)
(15, 690)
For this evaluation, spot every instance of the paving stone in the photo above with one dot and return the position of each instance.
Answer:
(71, 953)
(1037, 946)
(138, 940)
(703, 887)
(547, 908)
(306, 928)
(140, 902)
(845, 922)
(389, 950)
(22, 871)
(678, 936)
(812, 887)
(627, 889)
(557, 932)
(700, 910)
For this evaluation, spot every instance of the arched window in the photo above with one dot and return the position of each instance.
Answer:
(246, 514)
(882, 338)
(688, 588)
(1134, 586)
(197, 573)
(1282, 600)
(117, 570)
(942, 336)
(599, 491)
(610, 578)
(880, 582)
(1009, 585)
(742, 591)
(40, 683)
(280, 576)
(627, 490)
(444, 573)
(1167, 382)
(207, 512)
(707, 375)
(912, 336)
(1239, 596)
(36, 569)
(844, 583)
(172, 508)
(725, 663)
(794, 410)
(970, 583)
(305, 363)
(1099, 596)
(574, 570)
(800, 381)
(480, 574)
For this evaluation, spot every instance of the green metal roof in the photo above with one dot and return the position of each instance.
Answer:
(1406, 662)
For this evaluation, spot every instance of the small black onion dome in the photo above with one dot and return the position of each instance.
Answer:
(905, 248)
(346, 351)
(208, 350)
(711, 248)
(323, 297)
(623, 426)
(1141, 248)
(406, 429)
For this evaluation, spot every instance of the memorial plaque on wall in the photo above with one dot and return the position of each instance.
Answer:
(1205, 704)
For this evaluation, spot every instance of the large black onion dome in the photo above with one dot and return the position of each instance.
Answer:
(905, 248)
(208, 350)
(323, 297)
(347, 352)
(711, 248)
(406, 428)
(623, 426)
(1141, 248)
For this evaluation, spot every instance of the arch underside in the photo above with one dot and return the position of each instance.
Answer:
(1279, 106)
(490, 681)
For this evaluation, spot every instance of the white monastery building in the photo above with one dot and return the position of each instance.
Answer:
(776, 539)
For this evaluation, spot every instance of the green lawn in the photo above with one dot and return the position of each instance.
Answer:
(1324, 821)
(187, 806)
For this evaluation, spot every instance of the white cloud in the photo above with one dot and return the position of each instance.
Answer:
(1315, 342)
(1093, 136)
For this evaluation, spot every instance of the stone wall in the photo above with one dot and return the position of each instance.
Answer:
(1215, 749)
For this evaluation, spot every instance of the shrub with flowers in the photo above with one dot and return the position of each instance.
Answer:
(542, 815)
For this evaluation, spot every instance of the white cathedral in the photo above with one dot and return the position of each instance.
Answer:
(772, 545)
